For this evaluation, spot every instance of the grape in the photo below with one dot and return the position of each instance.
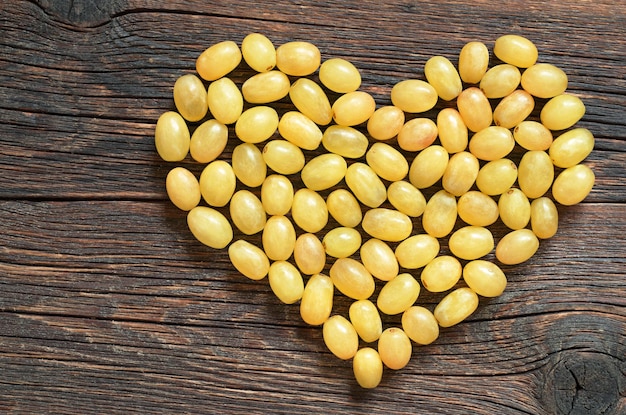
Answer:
(340, 337)
(190, 97)
(276, 194)
(256, 124)
(249, 165)
(478, 209)
(279, 238)
(298, 58)
(513, 109)
(414, 95)
(300, 130)
(473, 62)
(460, 173)
(532, 135)
(394, 348)
(456, 307)
(535, 173)
(387, 162)
(341, 242)
(366, 320)
(324, 171)
(420, 325)
(443, 76)
(385, 123)
(544, 217)
(544, 80)
(258, 52)
(344, 208)
(406, 198)
(311, 100)
(317, 300)
(440, 214)
(517, 246)
(339, 75)
(441, 274)
(182, 188)
(353, 108)
(265, 87)
(452, 130)
(516, 50)
(417, 251)
(471, 242)
(345, 141)
(309, 210)
(492, 143)
(352, 279)
(225, 100)
(417, 134)
(246, 212)
(571, 148)
(500, 81)
(474, 108)
(208, 141)
(428, 166)
(496, 177)
(283, 157)
(484, 278)
(217, 183)
(366, 185)
(286, 282)
(398, 294)
(562, 111)
(368, 368)
(379, 259)
(171, 137)
(209, 227)
(218, 60)
(387, 224)
(514, 209)
(249, 259)
(573, 184)
(309, 254)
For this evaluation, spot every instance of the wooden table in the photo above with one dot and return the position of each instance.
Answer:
(109, 305)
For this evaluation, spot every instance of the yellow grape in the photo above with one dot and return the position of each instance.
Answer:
(366, 185)
(283, 157)
(209, 227)
(535, 173)
(368, 368)
(298, 58)
(473, 62)
(309, 254)
(171, 137)
(286, 282)
(276, 194)
(443, 76)
(348, 142)
(441, 274)
(471, 242)
(309, 210)
(492, 143)
(452, 130)
(190, 97)
(513, 109)
(249, 259)
(484, 278)
(317, 300)
(544, 80)
(379, 259)
(573, 185)
(387, 162)
(385, 123)
(182, 188)
(340, 337)
(406, 198)
(352, 279)
(341, 242)
(440, 214)
(456, 307)
(517, 246)
(420, 325)
(387, 224)
(475, 109)
(258, 52)
(514, 209)
(256, 124)
(324, 171)
(218, 60)
(428, 166)
(500, 81)
(208, 141)
(460, 173)
(417, 134)
(532, 135)
(544, 217)
(353, 108)
(394, 348)
(398, 294)
(366, 320)
(225, 100)
(266, 87)
(477, 208)
(417, 251)
(300, 130)
(339, 75)
(562, 111)
(516, 50)
(344, 208)
(246, 212)
(311, 100)
(414, 95)
(496, 177)
(571, 148)
(249, 165)
(278, 238)
(217, 183)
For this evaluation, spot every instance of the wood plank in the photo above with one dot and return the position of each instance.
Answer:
(108, 304)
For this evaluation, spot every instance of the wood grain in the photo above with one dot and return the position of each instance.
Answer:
(108, 304)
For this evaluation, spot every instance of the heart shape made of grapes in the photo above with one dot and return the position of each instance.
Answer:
(311, 150)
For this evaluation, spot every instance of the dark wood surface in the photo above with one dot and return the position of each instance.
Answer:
(108, 304)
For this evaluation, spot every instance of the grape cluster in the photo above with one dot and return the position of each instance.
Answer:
(370, 180)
